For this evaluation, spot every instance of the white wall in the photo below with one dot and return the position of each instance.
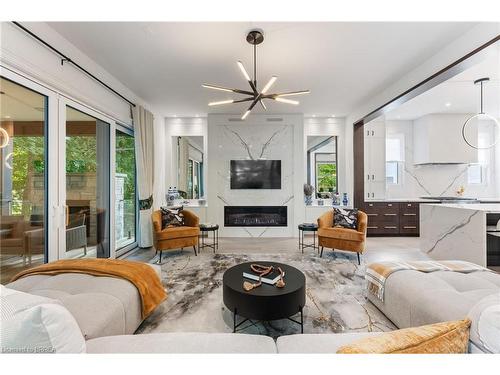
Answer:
(450, 53)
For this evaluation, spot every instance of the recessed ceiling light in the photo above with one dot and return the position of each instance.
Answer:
(448, 104)
(314, 115)
(175, 115)
(333, 115)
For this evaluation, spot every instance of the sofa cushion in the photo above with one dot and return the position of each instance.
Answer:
(177, 232)
(178, 342)
(485, 329)
(319, 343)
(341, 234)
(438, 338)
(102, 306)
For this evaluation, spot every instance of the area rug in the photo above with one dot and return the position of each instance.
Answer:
(335, 296)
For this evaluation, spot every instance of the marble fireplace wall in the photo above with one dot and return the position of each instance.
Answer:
(271, 137)
(439, 179)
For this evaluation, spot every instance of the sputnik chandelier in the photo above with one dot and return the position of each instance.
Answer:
(255, 37)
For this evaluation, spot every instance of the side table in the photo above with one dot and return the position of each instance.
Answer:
(307, 228)
(206, 228)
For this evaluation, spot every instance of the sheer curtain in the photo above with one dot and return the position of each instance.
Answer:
(144, 154)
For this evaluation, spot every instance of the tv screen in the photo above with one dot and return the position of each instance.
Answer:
(255, 174)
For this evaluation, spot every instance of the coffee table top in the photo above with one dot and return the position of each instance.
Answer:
(294, 280)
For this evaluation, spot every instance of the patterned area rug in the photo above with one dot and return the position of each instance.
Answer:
(335, 296)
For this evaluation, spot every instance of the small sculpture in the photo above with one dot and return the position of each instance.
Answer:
(263, 271)
(280, 283)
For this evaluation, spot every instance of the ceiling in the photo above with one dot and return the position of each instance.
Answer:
(458, 95)
(342, 63)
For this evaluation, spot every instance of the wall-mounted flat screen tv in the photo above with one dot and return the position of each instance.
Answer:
(255, 174)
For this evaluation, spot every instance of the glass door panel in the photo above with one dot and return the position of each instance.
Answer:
(87, 210)
(125, 191)
(23, 153)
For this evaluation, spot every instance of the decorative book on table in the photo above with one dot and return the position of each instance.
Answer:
(271, 278)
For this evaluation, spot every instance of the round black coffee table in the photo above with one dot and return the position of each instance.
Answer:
(266, 302)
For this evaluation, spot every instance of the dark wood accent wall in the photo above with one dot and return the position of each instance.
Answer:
(359, 164)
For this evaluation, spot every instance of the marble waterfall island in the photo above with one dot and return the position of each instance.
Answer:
(456, 231)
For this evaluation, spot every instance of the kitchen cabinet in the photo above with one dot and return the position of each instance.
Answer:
(392, 218)
(374, 160)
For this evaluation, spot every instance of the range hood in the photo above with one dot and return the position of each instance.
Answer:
(437, 140)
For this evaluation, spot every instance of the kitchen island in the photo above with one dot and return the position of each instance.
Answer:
(460, 232)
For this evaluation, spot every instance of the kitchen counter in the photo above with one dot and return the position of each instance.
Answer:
(427, 200)
(456, 231)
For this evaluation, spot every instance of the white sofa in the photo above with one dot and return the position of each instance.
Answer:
(415, 298)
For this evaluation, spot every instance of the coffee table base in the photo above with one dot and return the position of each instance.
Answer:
(235, 326)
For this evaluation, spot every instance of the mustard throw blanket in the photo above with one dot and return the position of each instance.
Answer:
(141, 275)
(377, 273)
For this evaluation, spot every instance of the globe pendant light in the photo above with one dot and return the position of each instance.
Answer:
(484, 118)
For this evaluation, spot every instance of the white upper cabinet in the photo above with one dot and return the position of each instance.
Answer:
(375, 160)
(437, 139)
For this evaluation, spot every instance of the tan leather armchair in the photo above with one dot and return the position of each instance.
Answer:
(342, 238)
(176, 237)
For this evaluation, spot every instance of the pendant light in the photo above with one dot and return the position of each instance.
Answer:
(483, 117)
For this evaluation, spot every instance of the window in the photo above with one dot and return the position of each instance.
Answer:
(125, 190)
(394, 156)
(392, 172)
(326, 178)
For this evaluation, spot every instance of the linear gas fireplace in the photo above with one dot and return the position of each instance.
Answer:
(255, 216)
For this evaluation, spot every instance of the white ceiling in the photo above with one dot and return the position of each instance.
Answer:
(458, 94)
(342, 64)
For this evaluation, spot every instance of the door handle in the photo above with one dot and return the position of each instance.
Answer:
(390, 214)
(409, 214)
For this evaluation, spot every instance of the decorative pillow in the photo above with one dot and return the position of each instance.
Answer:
(440, 338)
(35, 324)
(46, 328)
(172, 217)
(345, 218)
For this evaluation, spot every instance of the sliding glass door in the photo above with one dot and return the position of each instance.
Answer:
(87, 185)
(125, 191)
(23, 177)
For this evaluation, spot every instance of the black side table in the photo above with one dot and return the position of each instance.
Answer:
(205, 228)
(307, 228)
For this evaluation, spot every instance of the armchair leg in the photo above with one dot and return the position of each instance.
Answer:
(194, 248)
(321, 253)
(359, 260)
(159, 259)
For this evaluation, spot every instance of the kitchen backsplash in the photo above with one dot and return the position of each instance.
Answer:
(436, 179)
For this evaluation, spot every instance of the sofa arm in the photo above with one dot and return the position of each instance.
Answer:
(190, 219)
(362, 222)
(326, 220)
(156, 219)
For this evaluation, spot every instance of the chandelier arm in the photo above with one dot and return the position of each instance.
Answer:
(222, 88)
(262, 104)
(254, 88)
(244, 100)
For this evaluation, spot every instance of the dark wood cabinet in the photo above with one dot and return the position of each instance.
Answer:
(392, 218)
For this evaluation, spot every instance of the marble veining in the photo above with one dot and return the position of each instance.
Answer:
(335, 296)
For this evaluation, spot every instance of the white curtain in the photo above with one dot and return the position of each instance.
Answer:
(144, 154)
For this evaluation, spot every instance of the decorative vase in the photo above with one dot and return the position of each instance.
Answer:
(308, 200)
(345, 200)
